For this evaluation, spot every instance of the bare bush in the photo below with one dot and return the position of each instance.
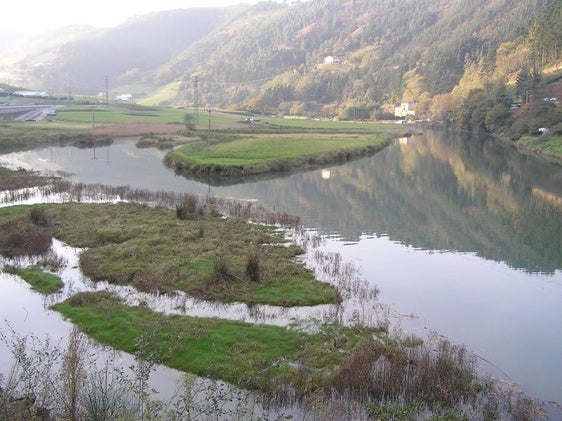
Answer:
(222, 268)
(441, 377)
(20, 240)
(189, 208)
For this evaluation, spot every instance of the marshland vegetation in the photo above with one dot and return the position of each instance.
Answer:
(323, 367)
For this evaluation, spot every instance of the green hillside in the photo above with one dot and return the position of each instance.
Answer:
(379, 47)
(480, 64)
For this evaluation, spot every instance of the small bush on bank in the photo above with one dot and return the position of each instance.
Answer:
(23, 240)
(253, 266)
(189, 208)
(39, 217)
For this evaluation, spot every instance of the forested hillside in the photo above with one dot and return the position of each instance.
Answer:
(384, 51)
(482, 64)
(126, 54)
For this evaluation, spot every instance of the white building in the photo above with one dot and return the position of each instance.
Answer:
(404, 110)
(331, 60)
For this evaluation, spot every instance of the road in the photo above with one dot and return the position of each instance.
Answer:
(29, 112)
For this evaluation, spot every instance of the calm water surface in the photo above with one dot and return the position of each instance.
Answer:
(463, 236)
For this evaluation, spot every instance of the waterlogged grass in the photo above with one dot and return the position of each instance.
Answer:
(259, 357)
(20, 178)
(273, 152)
(40, 280)
(396, 379)
(152, 250)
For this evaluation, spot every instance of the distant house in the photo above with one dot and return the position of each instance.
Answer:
(41, 94)
(404, 110)
(331, 60)
(124, 97)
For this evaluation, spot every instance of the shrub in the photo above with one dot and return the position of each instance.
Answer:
(221, 267)
(439, 377)
(21, 240)
(253, 266)
(189, 208)
(39, 217)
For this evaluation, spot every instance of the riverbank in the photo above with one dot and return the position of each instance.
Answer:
(547, 147)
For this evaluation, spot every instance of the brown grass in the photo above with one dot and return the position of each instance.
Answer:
(136, 129)
(17, 240)
(441, 376)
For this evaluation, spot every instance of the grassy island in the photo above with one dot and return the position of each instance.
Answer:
(285, 362)
(266, 153)
(39, 277)
(157, 250)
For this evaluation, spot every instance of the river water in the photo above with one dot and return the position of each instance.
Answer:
(462, 235)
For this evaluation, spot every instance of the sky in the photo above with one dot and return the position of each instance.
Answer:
(40, 16)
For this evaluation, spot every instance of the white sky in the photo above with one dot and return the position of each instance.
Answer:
(38, 16)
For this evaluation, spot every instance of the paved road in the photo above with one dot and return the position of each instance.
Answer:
(29, 112)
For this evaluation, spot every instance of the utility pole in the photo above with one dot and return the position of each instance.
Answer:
(93, 128)
(209, 110)
(195, 81)
(106, 90)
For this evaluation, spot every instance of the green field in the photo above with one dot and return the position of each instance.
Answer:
(272, 153)
(110, 114)
(231, 144)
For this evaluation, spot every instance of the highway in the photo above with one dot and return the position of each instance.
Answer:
(29, 112)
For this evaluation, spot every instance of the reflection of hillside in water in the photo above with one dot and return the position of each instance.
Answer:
(439, 192)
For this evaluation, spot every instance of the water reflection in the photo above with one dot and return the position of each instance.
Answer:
(441, 192)
(465, 233)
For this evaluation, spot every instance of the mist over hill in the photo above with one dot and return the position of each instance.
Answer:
(128, 53)
(327, 57)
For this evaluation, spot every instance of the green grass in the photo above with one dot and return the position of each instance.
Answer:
(160, 96)
(23, 135)
(554, 144)
(153, 250)
(548, 147)
(264, 153)
(399, 378)
(258, 357)
(114, 114)
(40, 281)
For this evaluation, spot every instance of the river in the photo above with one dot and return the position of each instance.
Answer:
(462, 235)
